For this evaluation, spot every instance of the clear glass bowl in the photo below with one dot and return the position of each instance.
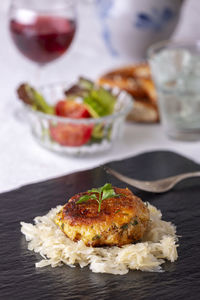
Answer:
(99, 134)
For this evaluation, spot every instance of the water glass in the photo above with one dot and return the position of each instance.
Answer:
(175, 68)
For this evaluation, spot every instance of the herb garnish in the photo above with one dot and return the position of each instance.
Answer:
(96, 237)
(124, 226)
(135, 222)
(99, 194)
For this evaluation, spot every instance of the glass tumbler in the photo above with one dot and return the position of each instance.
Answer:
(175, 68)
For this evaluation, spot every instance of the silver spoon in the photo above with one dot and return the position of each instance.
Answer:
(156, 186)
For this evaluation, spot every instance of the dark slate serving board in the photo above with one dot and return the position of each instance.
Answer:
(19, 279)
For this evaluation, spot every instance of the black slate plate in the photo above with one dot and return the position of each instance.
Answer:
(20, 280)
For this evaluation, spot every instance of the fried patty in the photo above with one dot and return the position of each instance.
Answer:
(121, 220)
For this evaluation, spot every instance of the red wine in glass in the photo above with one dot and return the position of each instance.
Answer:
(44, 39)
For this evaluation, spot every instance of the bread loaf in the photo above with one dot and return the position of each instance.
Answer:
(136, 80)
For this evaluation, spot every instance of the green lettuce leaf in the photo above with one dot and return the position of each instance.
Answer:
(100, 102)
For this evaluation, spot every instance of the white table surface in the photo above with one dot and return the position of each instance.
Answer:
(22, 160)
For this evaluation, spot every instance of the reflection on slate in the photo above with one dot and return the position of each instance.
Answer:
(20, 280)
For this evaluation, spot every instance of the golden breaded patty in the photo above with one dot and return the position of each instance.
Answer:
(121, 220)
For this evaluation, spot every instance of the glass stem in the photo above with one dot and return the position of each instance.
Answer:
(38, 76)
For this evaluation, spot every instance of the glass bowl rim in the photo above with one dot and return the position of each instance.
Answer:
(167, 44)
(122, 112)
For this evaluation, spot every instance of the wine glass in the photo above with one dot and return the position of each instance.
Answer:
(42, 30)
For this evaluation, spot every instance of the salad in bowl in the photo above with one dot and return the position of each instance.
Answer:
(84, 118)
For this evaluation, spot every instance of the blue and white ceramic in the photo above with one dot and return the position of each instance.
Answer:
(129, 27)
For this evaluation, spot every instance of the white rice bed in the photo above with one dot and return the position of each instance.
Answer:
(159, 244)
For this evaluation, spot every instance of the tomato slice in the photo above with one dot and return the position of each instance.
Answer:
(71, 109)
(71, 134)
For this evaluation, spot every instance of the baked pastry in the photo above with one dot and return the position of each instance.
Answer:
(136, 80)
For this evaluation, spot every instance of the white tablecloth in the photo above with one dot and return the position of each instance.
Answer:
(22, 160)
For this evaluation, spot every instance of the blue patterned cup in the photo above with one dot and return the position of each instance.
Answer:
(129, 27)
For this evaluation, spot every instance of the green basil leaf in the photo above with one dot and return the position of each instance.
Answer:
(108, 194)
(85, 198)
(107, 186)
(95, 190)
(99, 194)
